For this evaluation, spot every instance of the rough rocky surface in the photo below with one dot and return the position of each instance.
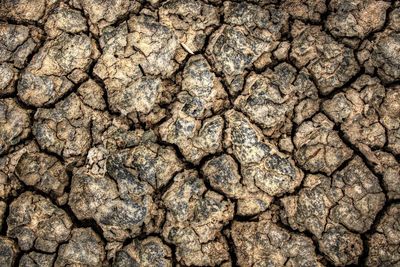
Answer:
(85, 248)
(337, 209)
(194, 220)
(265, 243)
(37, 223)
(384, 243)
(199, 133)
(147, 252)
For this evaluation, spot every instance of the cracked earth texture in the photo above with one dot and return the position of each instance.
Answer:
(199, 133)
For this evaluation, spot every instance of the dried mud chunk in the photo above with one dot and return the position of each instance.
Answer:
(23, 10)
(147, 253)
(390, 118)
(202, 95)
(195, 217)
(356, 110)
(306, 109)
(36, 259)
(118, 64)
(389, 167)
(42, 90)
(64, 54)
(330, 64)
(44, 82)
(263, 167)
(104, 13)
(92, 95)
(15, 124)
(394, 17)
(70, 128)
(356, 19)
(266, 23)
(384, 244)
(269, 98)
(154, 164)
(140, 96)
(352, 197)
(227, 47)
(223, 175)
(282, 51)
(202, 92)
(340, 245)
(306, 10)
(157, 43)
(37, 223)
(8, 252)
(192, 21)
(336, 209)
(151, 163)
(363, 197)
(309, 210)
(117, 136)
(264, 243)
(85, 248)
(318, 147)
(85, 190)
(65, 19)
(147, 48)
(195, 138)
(8, 78)
(43, 172)
(98, 198)
(386, 56)
(17, 42)
(120, 200)
(9, 182)
(250, 32)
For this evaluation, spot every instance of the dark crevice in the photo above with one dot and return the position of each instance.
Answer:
(231, 244)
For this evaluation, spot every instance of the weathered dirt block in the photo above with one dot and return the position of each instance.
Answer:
(384, 244)
(37, 223)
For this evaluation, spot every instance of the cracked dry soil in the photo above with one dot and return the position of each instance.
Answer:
(199, 133)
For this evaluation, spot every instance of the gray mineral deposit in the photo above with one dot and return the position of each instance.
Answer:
(161, 133)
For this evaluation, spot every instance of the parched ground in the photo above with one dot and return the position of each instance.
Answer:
(199, 133)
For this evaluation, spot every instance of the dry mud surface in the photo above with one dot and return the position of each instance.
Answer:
(199, 133)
